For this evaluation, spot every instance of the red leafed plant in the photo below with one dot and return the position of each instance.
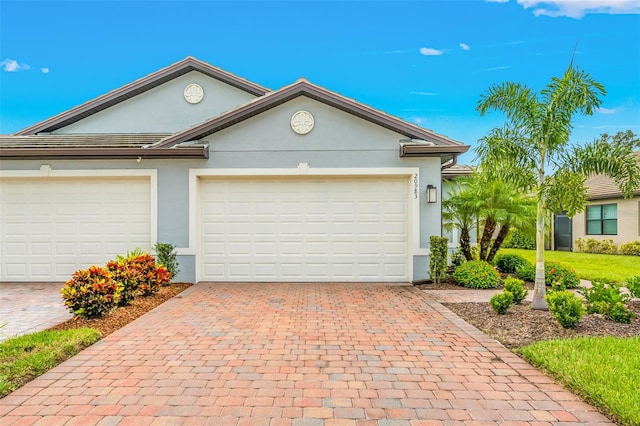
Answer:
(91, 293)
(128, 276)
(152, 275)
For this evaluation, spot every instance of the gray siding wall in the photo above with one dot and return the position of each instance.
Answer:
(163, 109)
(338, 140)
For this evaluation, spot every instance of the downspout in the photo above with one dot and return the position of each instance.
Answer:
(450, 163)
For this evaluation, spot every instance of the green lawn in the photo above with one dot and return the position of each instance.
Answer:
(592, 267)
(24, 358)
(604, 370)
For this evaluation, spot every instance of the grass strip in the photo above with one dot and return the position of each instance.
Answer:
(588, 266)
(603, 370)
(26, 357)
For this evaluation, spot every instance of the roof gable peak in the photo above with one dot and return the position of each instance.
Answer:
(139, 86)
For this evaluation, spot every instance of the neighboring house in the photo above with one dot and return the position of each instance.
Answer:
(297, 184)
(607, 215)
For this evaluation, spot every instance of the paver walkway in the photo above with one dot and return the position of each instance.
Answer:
(299, 354)
(29, 307)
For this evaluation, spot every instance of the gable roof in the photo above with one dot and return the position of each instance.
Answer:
(140, 86)
(428, 141)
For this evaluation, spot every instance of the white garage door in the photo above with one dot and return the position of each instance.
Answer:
(51, 228)
(333, 229)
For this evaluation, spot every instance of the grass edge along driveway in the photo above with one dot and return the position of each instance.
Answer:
(26, 357)
(605, 371)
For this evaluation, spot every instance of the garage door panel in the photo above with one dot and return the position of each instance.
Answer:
(15, 249)
(54, 227)
(304, 229)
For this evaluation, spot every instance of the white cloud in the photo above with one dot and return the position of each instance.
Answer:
(428, 51)
(495, 68)
(464, 46)
(11, 65)
(602, 110)
(423, 93)
(578, 8)
(417, 120)
(44, 70)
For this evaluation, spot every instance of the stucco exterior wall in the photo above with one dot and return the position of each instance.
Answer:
(163, 108)
(338, 140)
(628, 222)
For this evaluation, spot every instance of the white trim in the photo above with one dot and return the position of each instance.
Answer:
(414, 197)
(46, 172)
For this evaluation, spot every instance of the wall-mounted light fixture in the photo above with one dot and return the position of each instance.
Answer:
(432, 194)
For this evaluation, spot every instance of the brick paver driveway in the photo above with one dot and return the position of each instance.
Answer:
(305, 354)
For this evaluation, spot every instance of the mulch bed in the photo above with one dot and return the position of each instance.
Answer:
(124, 315)
(521, 325)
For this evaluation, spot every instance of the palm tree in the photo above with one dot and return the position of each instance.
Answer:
(459, 211)
(504, 207)
(492, 204)
(536, 137)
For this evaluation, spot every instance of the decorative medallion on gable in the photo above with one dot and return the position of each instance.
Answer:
(302, 122)
(193, 93)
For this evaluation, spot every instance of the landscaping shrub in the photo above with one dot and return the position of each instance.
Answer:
(477, 274)
(591, 245)
(600, 307)
(438, 257)
(130, 254)
(152, 275)
(566, 308)
(457, 258)
(560, 277)
(516, 288)
(630, 249)
(633, 284)
(519, 240)
(167, 257)
(526, 272)
(556, 275)
(501, 302)
(128, 277)
(608, 300)
(601, 291)
(620, 313)
(509, 263)
(91, 293)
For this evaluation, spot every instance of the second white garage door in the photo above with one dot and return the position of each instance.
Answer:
(296, 229)
(52, 227)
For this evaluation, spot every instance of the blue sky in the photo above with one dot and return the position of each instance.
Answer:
(425, 61)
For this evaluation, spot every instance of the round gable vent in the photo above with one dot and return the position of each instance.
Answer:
(302, 122)
(193, 93)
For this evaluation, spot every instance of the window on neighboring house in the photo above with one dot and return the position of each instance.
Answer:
(602, 219)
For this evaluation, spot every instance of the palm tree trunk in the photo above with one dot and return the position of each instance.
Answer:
(539, 290)
(502, 234)
(489, 229)
(465, 245)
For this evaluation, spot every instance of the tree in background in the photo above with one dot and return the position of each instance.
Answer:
(532, 150)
